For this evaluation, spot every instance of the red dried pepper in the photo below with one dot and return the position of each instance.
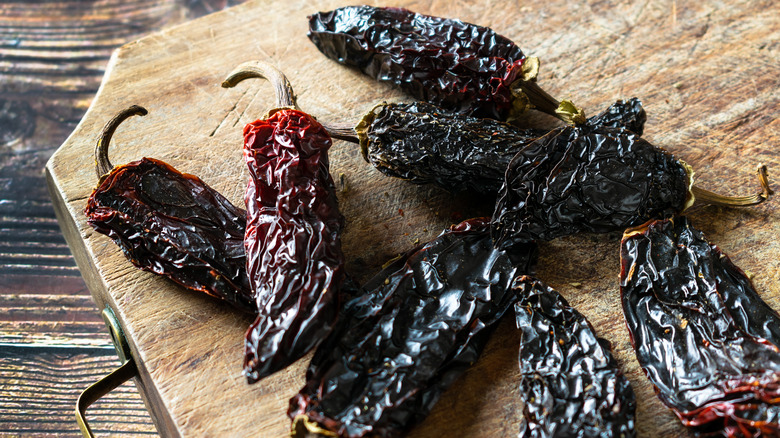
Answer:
(294, 259)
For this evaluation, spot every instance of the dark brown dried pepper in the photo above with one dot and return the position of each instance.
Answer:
(446, 62)
(419, 324)
(702, 334)
(170, 223)
(595, 179)
(293, 245)
(570, 384)
(422, 143)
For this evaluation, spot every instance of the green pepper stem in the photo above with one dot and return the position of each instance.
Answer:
(285, 97)
(527, 94)
(102, 164)
(542, 101)
(708, 197)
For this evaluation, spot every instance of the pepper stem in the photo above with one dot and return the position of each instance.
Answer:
(527, 93)
(362, 129)
(342, 132)
(570, 113)
(102, 164)
(709, 197)
(303, 427)
(542, 101)
(285, 97)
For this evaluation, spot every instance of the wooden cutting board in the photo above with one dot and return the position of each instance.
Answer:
(707, 74)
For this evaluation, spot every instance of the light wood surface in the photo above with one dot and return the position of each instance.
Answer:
(706, 72)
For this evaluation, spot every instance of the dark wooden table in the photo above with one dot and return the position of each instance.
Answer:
(53, 342)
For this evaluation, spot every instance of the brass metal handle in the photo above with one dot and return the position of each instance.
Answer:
(102, 387)
(127, 371)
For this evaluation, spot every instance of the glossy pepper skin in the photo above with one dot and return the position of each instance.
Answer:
(293, 247)
(424, 144)
(587, 179)
(446, 62)
(175, 225)
(419, 324)
(702, 334)
(570, 384)
(628, 115)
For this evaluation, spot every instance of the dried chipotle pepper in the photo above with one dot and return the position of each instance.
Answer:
(170, 223)
(702, 334)
(293, 245)
(446, 62)
(570, 384)
(422, 143)
(419, 324)
(595, 179)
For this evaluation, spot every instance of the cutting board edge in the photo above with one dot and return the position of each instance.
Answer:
(68, 218)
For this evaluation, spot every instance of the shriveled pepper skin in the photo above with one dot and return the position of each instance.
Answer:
(175, 225)
(420, 324)
(293, 246)
(423, 144)
(446, 62)
(587, 179)
(570, 384)
(629, 115)
(702, 334)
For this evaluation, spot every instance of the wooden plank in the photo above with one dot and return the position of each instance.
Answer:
(39, 387)
(706, 75)
(52, 58)
(61, 47)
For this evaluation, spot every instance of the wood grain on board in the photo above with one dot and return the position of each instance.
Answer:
(706, 72)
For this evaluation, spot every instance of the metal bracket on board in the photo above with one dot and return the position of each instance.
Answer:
(127, 371)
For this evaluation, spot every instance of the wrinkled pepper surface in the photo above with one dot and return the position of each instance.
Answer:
(446, 62)
(422, 143)
(293, 234)
(171, 223)
(595, 179)
(570, 384)
(420, 323)
(704, 337)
